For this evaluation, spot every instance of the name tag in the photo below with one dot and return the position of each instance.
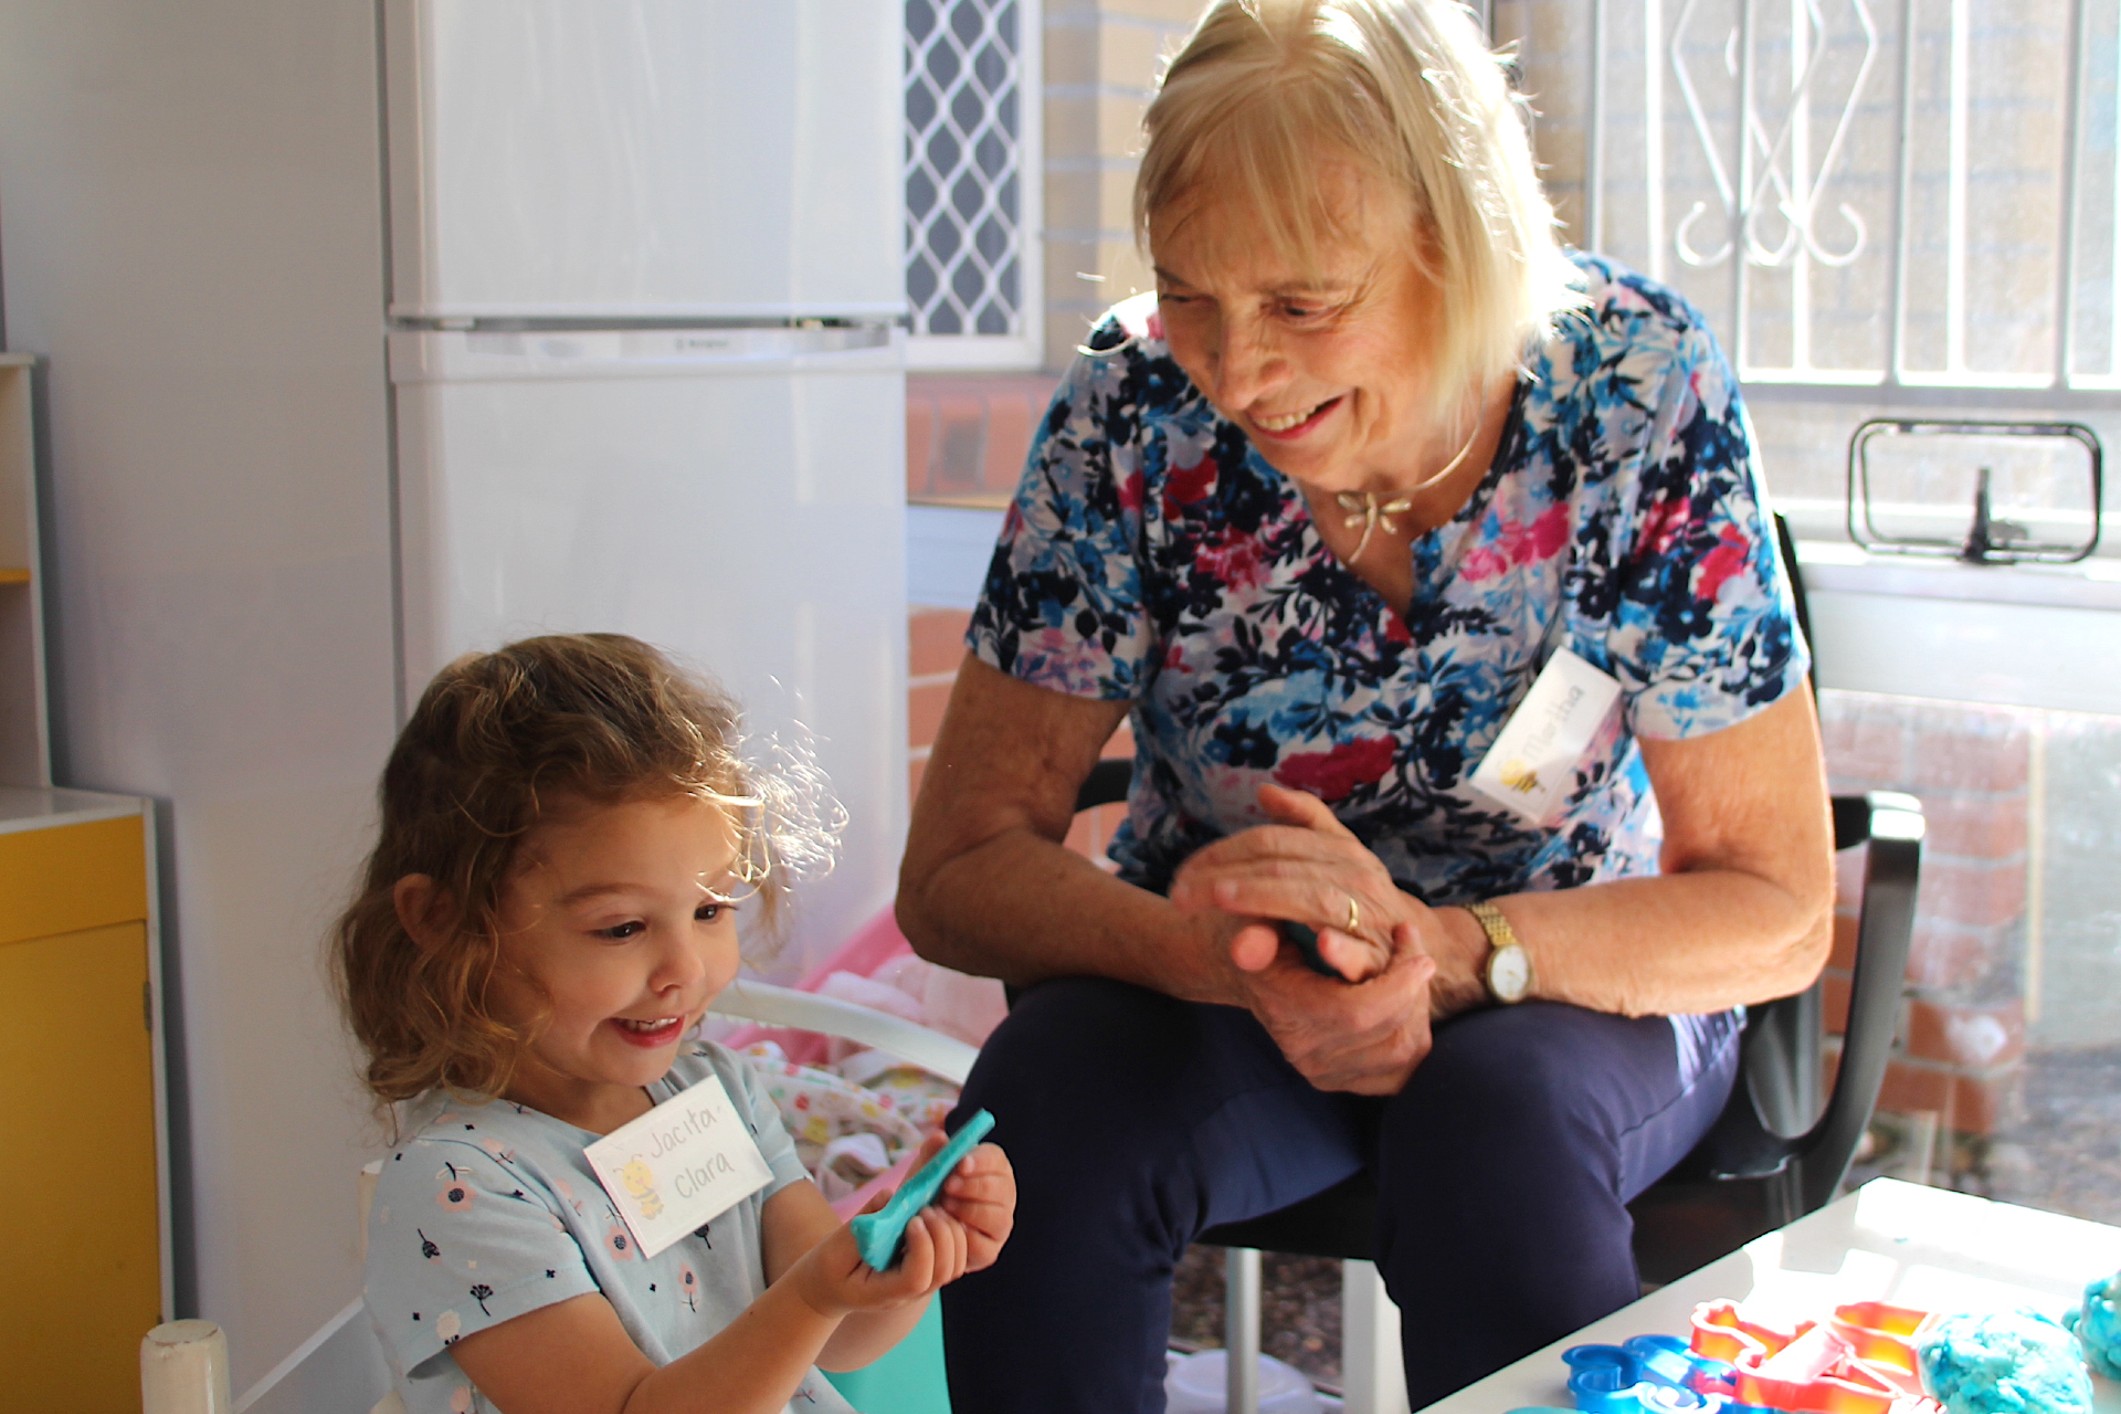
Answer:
(1533, 762)
(683, 1164)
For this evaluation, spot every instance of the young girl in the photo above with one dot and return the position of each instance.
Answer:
(568, 839)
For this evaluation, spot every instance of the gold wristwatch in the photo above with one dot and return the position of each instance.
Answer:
(1508, 975)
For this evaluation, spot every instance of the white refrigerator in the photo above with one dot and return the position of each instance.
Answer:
(646, 361)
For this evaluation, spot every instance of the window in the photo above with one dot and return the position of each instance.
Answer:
(1904, 208)
(973, 276)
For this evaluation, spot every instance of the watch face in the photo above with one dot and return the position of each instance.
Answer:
(1509, 974)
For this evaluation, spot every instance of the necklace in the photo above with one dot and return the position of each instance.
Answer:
(1365, 510)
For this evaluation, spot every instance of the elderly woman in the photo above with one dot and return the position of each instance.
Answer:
(1377, 457)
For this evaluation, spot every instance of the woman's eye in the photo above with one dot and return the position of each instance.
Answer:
(620, 932)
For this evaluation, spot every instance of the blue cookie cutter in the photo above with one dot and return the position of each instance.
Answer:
(1648, 1374)
(877, 1235)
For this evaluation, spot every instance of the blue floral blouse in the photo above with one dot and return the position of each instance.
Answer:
(1152, 556)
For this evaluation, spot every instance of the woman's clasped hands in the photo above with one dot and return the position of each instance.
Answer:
(1364, 1031)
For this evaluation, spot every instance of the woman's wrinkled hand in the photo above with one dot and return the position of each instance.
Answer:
(1364, 1034)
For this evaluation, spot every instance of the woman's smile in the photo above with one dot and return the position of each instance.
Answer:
(1291, 426)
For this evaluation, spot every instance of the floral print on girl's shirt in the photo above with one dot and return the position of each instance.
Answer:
(1152, 556)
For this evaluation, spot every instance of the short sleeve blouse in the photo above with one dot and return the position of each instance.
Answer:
(490, 1211)
(1152, 556)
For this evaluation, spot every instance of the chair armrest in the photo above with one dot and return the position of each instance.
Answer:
(1746, 1141)
(753, 1000)
(1893, 826)
(1106, 784)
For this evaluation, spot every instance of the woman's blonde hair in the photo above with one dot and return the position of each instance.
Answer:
(496, 739)
(1408, 90)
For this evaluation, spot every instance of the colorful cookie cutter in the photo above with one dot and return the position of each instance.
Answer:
(1859, 1361)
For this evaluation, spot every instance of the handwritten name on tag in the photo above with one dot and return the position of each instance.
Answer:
(683, 1164)
(1533, 762)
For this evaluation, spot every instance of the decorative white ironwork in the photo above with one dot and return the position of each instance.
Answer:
(1885, 189)
(967, 174)
(1796, 194)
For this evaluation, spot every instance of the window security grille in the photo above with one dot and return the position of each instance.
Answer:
(972, 178)
(1883, 207)
(1885, 193)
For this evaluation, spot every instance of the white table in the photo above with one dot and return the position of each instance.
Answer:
(1888, 1241)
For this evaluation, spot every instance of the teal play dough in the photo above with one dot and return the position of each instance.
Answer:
(877, 1235)
(2013, 1362)
(2098, 1326)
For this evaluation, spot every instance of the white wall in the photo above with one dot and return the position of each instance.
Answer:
(190, 230)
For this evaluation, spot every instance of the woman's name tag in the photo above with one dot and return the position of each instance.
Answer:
(680, 1166)
(1533, 762)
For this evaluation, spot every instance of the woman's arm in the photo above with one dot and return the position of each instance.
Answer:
(988, 888)
(1743, 911)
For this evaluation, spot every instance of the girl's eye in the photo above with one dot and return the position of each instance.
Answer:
(709, 912)
(620, 932)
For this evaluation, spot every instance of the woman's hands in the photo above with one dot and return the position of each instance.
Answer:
(962, 1232)
(1365, 1034)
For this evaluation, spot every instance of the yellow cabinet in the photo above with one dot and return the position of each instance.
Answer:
(81, 1193)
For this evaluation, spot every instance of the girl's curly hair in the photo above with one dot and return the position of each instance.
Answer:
(494, 737)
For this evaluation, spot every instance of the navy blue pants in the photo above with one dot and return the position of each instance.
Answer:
(1135, 1121)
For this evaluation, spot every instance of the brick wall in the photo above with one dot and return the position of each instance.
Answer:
(1102, 59)
(1960, 1054)
(966, 434)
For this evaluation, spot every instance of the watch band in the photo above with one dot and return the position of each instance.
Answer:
(1494, 924)
(1507, 975)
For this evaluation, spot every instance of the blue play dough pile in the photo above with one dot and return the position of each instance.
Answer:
(2015, 1362)
(2098, 1326)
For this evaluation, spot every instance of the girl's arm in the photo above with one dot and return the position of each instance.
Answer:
(822, 1306)
(798, 1224)
(574, 1357)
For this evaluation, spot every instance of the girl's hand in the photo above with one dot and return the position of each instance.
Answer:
(980, 1194)
(834, 1281)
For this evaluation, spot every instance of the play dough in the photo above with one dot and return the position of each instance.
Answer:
(877, 1234)
(2098, 1326)
(2012, 1362)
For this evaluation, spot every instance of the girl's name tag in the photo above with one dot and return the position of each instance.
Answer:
(1533, 762)
(680, 1166)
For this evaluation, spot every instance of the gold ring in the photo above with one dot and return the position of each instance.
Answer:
(1354, 918)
